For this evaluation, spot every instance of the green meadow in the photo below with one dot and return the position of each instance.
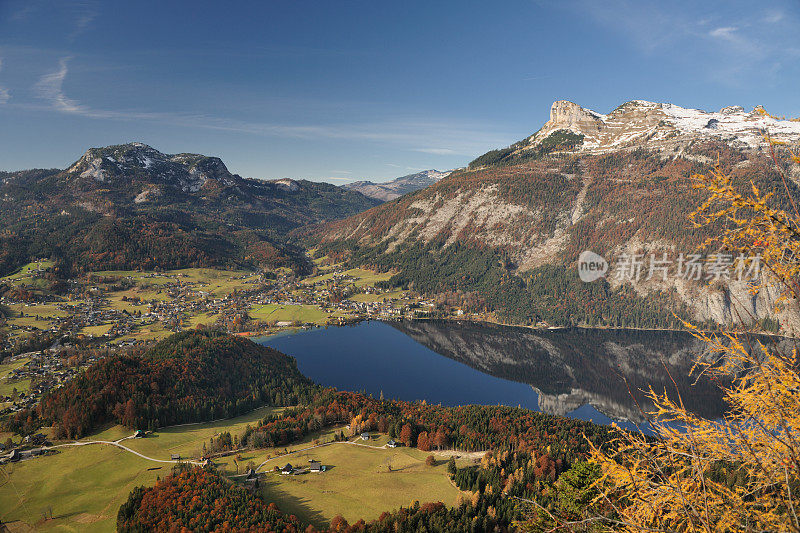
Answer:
(83, 486)
(358, 482)
(289, 313)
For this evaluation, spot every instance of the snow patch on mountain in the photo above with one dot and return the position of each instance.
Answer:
(398, 187)
(732, 121)
(187, 172)
(640, 123)
(287, 185)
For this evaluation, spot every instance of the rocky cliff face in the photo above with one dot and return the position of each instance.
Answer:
(187, 172)
(663, 127)
(565, 115)
(615, 184)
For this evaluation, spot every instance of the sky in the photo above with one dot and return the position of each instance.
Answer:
(346, 90)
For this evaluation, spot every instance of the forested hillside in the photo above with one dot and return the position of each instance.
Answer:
(200, 500)
(130, 206)
(504, 235)
(188, 377)
(526, 453)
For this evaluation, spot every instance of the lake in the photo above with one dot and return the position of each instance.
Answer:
(582, 373)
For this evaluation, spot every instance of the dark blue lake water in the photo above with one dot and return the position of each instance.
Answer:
(574, 373)
(374, 357)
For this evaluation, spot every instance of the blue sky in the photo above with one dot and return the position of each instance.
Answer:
(346, 90)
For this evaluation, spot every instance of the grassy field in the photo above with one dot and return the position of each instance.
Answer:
(289, 313)
(97, 331)
(203, 318)
(37, 316)
(213, 281)
(85, 486)
(362, 277)
(115, 299)
(367, 277)
(42, 310)
(26, 275)
(149, 332)
(187, 441)
(368, 298)
(6, 385)
(358, 483)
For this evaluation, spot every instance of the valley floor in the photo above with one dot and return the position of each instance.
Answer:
(82, 487)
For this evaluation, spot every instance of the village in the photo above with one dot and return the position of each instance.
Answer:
(127, 307)
(112, 310)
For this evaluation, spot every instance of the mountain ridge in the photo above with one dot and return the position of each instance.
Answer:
(505, 233)
(663, 126)
(131, 206)
(397, 187)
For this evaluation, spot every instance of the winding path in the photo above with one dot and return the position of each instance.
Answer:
(120, 446)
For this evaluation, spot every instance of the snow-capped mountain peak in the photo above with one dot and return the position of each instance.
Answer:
(662, 124)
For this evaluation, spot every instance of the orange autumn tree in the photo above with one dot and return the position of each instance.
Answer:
(667, 483)
(672, 482)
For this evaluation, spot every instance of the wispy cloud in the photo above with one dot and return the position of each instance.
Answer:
(25, 11)
(725, 32)
(448, 137)
(773, 16)
(50, 88)
(5, 95)
(647, 24)
(437, 151)
(728, 47)
(85, 13)
(537, 78)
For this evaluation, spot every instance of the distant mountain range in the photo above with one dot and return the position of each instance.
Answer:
(504, 234)
(131, 206)
(399, 186)
(500, 236)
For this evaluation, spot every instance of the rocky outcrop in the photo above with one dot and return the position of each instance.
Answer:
(566, 115)
(661, 126)
(613, 184)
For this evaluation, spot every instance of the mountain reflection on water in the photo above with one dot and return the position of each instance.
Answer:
(591, 374)
(573, 367)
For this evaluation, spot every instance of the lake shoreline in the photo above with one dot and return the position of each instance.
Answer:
(256, 336)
